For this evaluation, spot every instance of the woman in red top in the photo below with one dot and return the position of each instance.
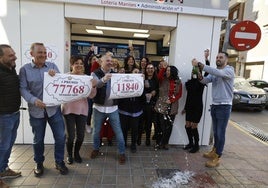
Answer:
(170, 91)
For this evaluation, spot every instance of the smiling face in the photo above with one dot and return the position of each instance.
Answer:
(78, 67)
(168, 72)
(8, 58)
(150, 70)
(107, 63)
(143, 63)
(130, 62)
(39, 54)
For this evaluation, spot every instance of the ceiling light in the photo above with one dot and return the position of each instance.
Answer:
(122, 29)
(140, 35)
(92, 31)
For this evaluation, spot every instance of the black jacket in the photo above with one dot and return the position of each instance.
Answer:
(10, 98)
(101, 92)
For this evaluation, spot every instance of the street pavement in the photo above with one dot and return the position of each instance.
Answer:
(244, 163)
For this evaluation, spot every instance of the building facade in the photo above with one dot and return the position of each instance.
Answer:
(193, 26)
(251, 64)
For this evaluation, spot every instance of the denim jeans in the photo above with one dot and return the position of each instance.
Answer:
(220, 116)
(98, 119)
(39, 128)
(9, 124)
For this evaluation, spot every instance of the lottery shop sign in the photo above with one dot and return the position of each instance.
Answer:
(63, 88)
(126, 85)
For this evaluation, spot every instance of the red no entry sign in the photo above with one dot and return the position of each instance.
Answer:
(245, 35)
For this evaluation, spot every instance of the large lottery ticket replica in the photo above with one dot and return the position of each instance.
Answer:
(63, 88)
(126, 85)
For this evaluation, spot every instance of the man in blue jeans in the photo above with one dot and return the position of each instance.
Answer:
(222, 79)
(103, 108)
(31, 87)
(10, 101)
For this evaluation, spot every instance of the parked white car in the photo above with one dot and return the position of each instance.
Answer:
(248, 96)
(263, 85)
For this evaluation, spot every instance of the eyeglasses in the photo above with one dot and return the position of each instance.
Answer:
(150, 68)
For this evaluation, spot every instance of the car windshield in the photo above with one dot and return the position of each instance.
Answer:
(241, 83)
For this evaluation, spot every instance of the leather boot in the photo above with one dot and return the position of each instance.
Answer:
(77, 156)
(210, 154)
(195, 148)
(3, 184)
(69, 146)
(190, 138)
(214, 162)
(139, 139)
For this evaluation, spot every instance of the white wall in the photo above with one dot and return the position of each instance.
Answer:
(193, 35)
(10, 34)
(67, 39)
(41, 22)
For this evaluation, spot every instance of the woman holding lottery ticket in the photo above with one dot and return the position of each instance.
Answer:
(75, 115)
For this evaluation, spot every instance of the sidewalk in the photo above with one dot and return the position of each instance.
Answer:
(244, 164)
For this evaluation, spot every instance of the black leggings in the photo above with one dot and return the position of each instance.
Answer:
(75, 124)
(164, 128)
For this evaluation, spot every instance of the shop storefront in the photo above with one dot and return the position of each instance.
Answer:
(192, 26)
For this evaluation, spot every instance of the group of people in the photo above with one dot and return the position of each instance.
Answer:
(158, 105)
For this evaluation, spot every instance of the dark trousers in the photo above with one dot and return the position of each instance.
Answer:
(75, 124)
(148, 120)
(164, 128)
(128, 122)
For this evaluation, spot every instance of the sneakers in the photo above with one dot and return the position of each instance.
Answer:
(3, 184)
(88, 129)
(94, 154)
(8, 173)
(62, 168)
(122, 159)
(39, 169)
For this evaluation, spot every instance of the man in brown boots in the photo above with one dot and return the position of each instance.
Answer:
(222, 79)
(10, 100)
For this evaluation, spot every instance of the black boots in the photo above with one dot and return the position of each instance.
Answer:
(69, 146)
(195, 148)
(77, 158)
(193, 138)
(190, 138)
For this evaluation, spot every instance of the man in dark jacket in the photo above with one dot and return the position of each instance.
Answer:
(103, 108)
(10, 101)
